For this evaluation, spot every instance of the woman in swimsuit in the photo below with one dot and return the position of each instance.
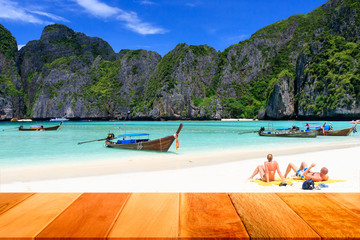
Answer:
(268, 170)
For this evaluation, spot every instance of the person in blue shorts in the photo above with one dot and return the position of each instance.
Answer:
(304, 172)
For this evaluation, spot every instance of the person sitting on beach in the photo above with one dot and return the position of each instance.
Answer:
(268, 170)
(305, 173)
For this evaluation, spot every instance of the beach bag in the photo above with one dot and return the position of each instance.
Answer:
(308, 185)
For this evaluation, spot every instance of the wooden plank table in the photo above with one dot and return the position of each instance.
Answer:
(328, 218)
(266, 216)
(28, 218)
(91, 216)
(10, 200)
(133, 216)
(210, 216)
(349, 200)
(148, 215)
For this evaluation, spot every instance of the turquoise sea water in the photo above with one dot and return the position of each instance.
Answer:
(32, 148)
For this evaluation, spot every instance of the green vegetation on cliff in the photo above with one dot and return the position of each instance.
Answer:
(104, 87)
(163, 78)
(336, 73)
(8, 45)
(8, 71)
(10, 89)
(335, 67)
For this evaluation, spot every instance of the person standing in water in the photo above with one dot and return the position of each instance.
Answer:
(268, 170)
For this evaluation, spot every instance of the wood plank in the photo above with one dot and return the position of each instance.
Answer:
(91, 216)
(27, 219)
(328, 218)
(9, 200)
(349, 200)
(265, 215)
(209, 215)
(148, 215)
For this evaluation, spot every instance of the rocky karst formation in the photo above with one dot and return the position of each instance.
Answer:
(304, 67)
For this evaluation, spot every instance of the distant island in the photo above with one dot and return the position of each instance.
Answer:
(304, 67)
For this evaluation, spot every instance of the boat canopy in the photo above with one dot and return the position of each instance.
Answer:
(133, 134)
(325, 128)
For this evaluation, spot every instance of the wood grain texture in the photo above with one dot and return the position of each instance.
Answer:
(28, 218)
(265, 215)
(89, 217)
(349, 200)
(328, 218)
(9, 200)
(148, 215)
(209, 215)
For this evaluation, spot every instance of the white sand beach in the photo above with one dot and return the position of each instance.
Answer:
(222, 171)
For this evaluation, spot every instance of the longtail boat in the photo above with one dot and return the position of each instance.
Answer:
(289, 132)
(160, 144)
(40, 128)
(329, 131)
(341, 132)
(59, 119)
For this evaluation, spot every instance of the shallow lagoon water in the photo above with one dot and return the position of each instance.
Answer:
(47, 147)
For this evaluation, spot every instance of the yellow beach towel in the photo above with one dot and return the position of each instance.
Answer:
(290, 181)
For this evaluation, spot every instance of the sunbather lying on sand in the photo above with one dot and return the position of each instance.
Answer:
(304, 172)
(267, 171)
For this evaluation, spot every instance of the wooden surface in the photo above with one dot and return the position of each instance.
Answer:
(312, 215)
(91, 216)
(350, 200)
(11, 199)
(27, 219)
(276, 220)
(328, 218)
(152, 215)
(209, 215)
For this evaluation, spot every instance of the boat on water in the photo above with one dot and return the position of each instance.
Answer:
(140, 141)
(330, 131)
(59, 119)
(340, 132)
(25, 120)
(20, 120)
(287, 132)
(40, 128)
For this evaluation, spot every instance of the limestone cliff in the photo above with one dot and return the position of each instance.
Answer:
(9, 76)
(304, 67)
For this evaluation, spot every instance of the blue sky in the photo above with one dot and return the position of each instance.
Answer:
(156, 25)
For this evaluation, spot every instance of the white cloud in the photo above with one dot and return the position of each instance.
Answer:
(133, 23)
(146, 2)
(239, 38)
(190, 4)
(13, 11)
(193, 4)
(131, 19)
(51, 16)
(97, 8)
(20, 46)
(235, 39)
